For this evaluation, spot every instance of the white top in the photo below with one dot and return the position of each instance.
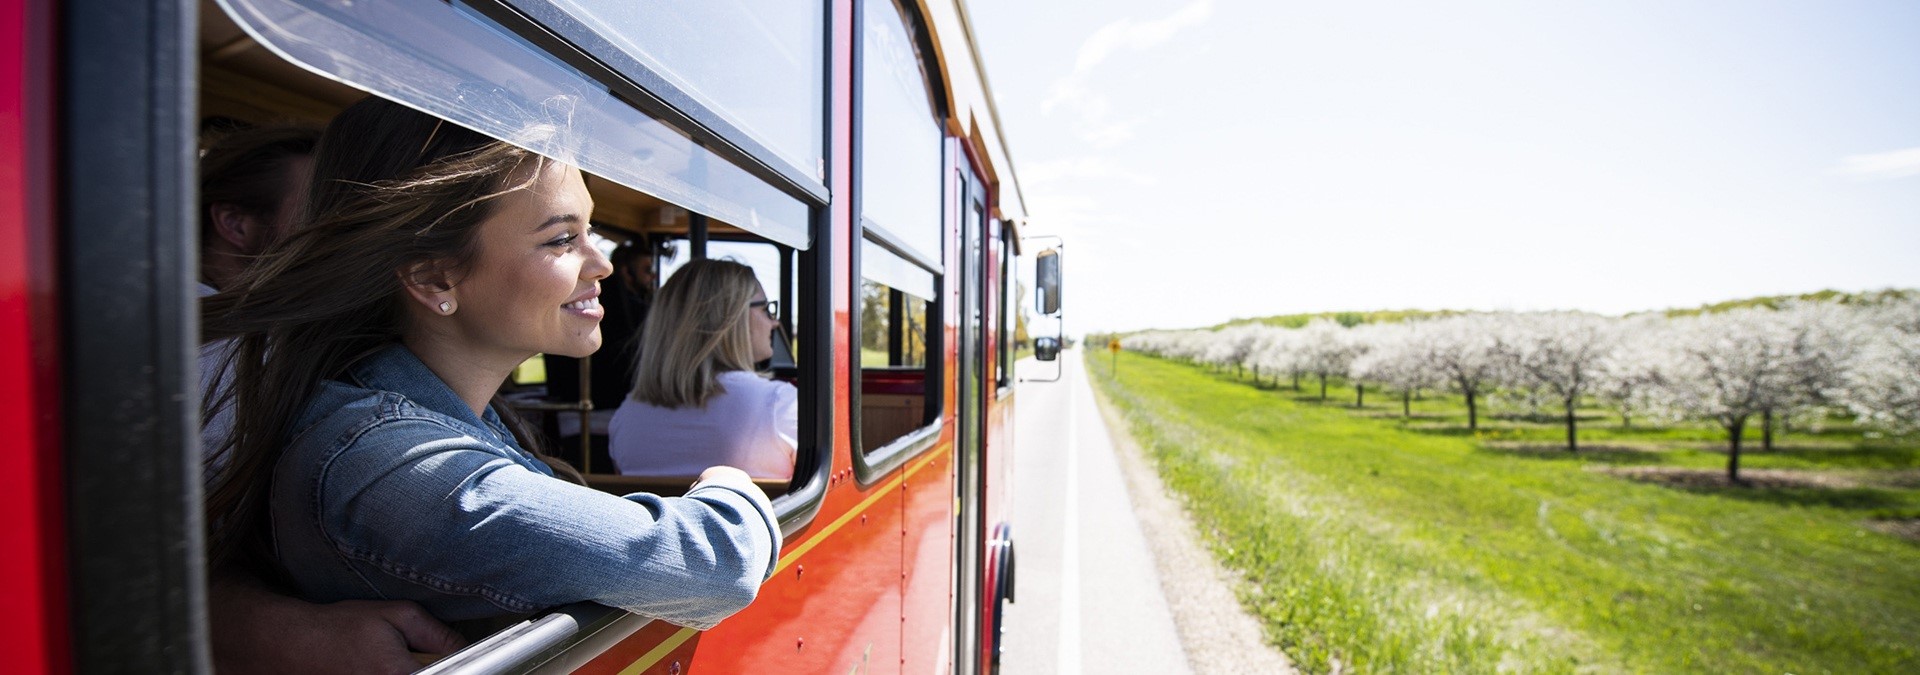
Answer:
(213, 355)
(752, 426)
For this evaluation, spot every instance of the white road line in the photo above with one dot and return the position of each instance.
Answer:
(1069, 660)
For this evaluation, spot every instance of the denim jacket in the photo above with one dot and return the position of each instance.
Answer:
(391, 488)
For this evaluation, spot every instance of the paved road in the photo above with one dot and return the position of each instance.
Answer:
(1088, 597)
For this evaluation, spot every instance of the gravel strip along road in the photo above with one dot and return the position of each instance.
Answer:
(1219, 635)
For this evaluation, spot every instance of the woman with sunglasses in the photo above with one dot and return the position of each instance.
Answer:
(696, 400)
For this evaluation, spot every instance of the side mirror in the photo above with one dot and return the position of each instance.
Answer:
(1046, 274)
(1046, 348)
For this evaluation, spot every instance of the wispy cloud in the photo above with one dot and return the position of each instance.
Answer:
(1882, 165)
(1073, 92)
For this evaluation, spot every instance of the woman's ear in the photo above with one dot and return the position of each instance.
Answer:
(429, 284)
(233, 225)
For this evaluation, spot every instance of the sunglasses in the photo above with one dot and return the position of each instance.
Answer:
(773, 307)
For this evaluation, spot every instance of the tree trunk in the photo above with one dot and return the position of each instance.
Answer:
(1256, 376)
(1573, 442)
(1734, 431)
(1359, 395)
(1323, 388)
(1406, 404)
(1473, 414)
(1625, 421)
(1766, 430)
(1296, 382)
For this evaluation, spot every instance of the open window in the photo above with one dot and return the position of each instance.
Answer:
(675, 167)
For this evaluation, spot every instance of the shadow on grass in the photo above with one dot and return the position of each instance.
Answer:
(1784, 488)
(1599, 454)
(1395, 415)
(1904, 528)
(1855, 457)
(1457, 430)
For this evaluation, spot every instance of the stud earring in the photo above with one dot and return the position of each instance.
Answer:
(446, 307)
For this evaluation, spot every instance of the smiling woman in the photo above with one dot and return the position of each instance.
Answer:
(416, 286)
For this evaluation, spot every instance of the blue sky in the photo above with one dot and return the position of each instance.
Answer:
(1210, 159)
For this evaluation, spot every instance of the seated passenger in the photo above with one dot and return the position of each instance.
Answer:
(251, 184)
(369, 458)
(696, 399)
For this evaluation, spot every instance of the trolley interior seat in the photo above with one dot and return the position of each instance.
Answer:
(893, 402)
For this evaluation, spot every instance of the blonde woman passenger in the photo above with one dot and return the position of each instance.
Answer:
(697, 401)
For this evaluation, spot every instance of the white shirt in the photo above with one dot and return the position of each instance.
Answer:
(752, 426)
(213, 356)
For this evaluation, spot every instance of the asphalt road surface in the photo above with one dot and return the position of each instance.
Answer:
(1102, 550)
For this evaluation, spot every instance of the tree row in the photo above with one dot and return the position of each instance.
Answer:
(1746, 366)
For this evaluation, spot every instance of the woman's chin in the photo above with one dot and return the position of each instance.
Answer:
(578, 350)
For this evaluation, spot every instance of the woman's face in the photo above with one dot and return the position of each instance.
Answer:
(534, 283)
(761, 324)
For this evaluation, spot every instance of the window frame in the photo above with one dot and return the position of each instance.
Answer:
(872, 465)
(660, 100)
(1007, 302)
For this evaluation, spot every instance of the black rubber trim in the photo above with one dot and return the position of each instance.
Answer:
(128, 347)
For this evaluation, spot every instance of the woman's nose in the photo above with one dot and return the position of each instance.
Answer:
(598, 266)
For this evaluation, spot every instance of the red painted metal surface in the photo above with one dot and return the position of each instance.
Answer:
(33, 613)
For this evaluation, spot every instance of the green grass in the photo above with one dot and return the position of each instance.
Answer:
(1374, 544)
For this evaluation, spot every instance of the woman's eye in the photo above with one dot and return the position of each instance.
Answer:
(563, 241)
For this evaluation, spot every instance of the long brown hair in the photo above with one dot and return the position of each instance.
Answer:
(697, 329)
(392, 189)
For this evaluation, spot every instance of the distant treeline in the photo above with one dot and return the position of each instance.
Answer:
(1749, 361)
(1351, 319)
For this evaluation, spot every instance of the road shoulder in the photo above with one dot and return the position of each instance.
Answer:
(1216, 633)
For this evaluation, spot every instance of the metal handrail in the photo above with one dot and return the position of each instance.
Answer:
(561, 640)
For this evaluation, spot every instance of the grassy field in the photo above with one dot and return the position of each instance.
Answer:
(1371, 543)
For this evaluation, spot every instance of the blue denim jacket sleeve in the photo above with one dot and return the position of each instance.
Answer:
(414, 508)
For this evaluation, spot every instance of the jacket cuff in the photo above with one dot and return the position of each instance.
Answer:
(758, 499)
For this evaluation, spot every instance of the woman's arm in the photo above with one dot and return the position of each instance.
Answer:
(448, 517)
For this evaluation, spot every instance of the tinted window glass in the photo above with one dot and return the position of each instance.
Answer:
(458, 65)
(900, 138)
(762, 63)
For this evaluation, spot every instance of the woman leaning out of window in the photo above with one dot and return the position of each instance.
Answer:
(370, 456)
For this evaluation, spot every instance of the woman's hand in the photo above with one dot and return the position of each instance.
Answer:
(723, 474)
(256, 630)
